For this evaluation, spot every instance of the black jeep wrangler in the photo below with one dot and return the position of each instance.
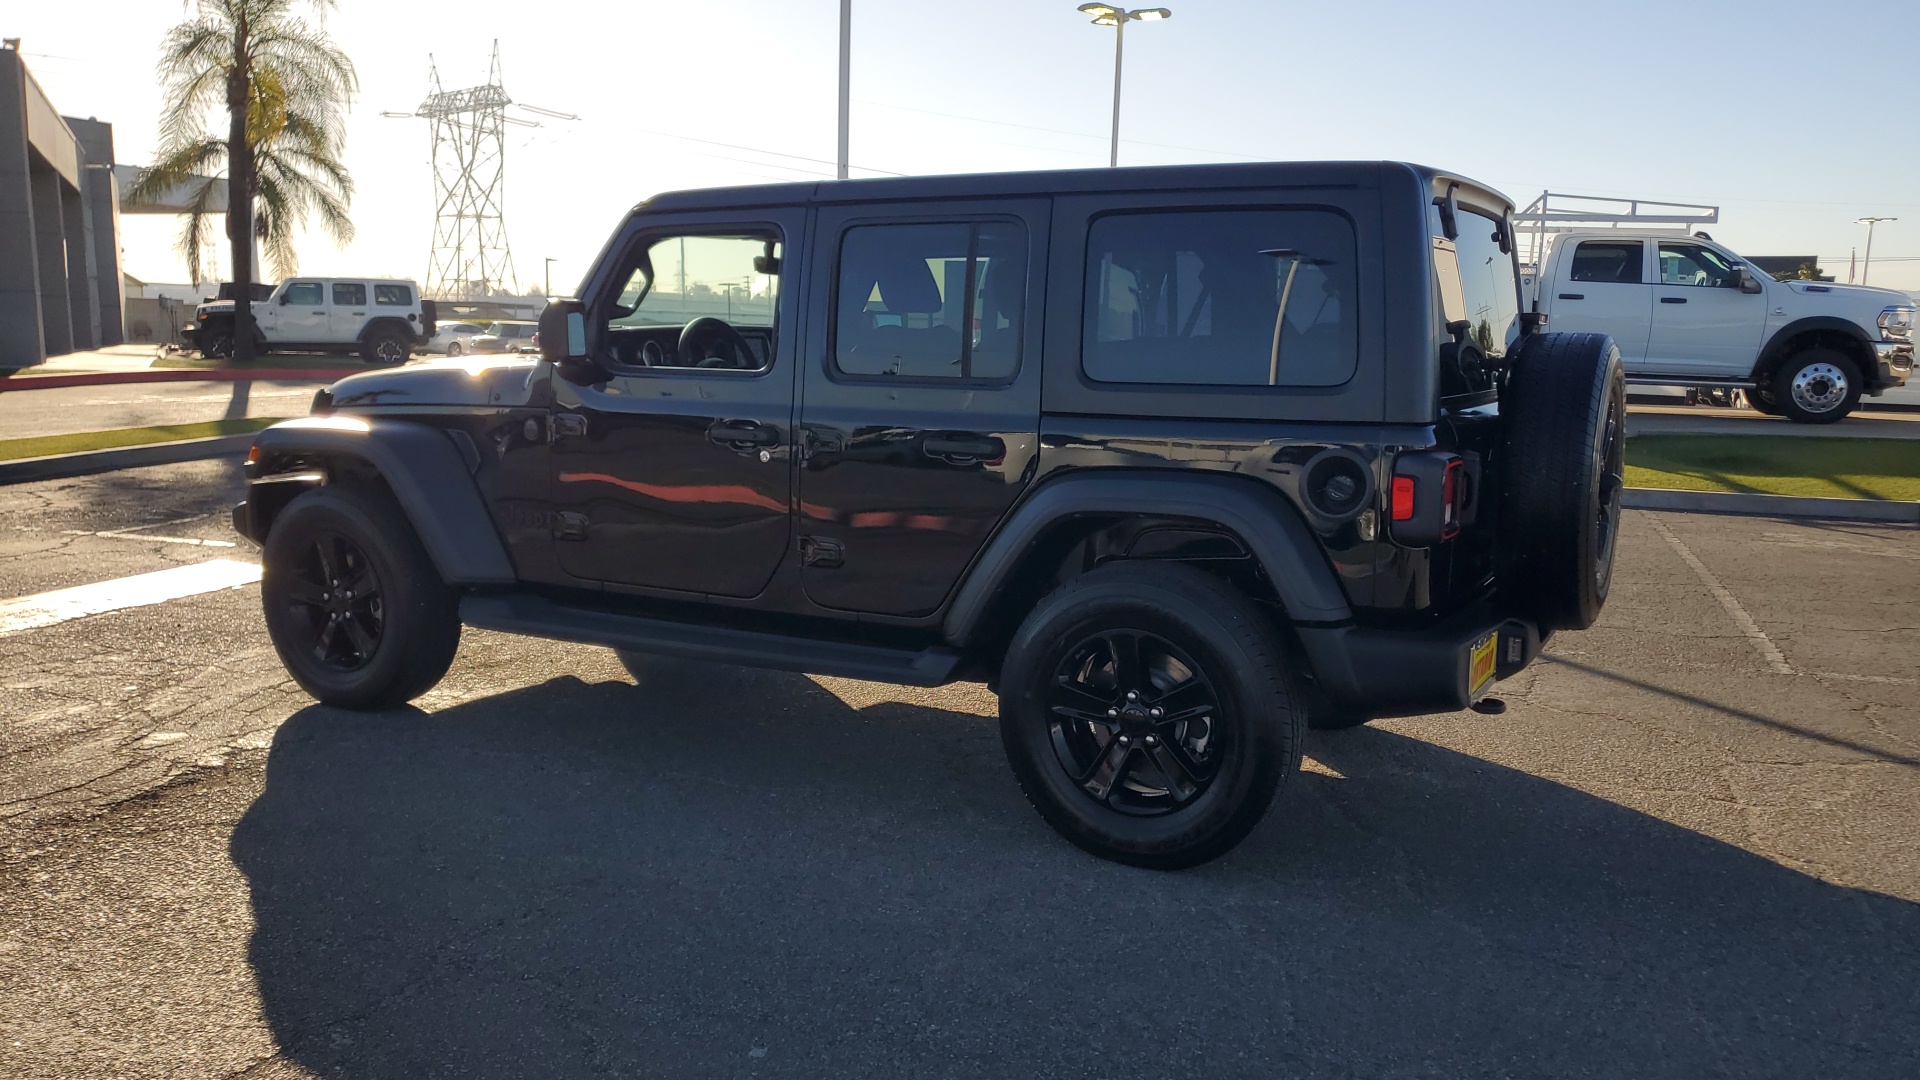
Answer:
(1181, 461)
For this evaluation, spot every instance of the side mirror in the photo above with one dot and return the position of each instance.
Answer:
(285, 298)
(563, 331)
(1748, 283)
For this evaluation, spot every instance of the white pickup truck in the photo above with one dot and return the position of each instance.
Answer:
(1685, 311)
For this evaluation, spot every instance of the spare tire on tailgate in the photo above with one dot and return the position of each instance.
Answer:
(1562, 468)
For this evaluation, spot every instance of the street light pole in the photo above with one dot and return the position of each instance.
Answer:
(1866, 264)
(846, 78)
(547, 272)
(1118, 18)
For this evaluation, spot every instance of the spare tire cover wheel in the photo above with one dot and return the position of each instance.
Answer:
(1563, 468)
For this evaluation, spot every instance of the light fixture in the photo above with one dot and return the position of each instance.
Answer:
(1118, 18)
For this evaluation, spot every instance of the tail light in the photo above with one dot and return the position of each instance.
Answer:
(1431, 495)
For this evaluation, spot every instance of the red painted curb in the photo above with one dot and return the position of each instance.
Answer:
(161, 375)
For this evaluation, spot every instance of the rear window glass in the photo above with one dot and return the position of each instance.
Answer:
(401, 295)
(1221, 298)
(1613, 262)
(1488, 283)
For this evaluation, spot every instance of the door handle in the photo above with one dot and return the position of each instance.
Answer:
(743, 433)
(969, 447)
(1673, 299)
(1573, 296)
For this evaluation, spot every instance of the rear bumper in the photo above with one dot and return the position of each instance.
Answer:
(1378, 673)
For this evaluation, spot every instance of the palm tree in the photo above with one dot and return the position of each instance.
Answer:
(286, 87)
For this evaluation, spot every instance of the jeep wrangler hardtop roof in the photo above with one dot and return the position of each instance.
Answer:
(1303, 174)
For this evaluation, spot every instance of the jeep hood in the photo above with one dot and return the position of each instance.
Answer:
(500, 380)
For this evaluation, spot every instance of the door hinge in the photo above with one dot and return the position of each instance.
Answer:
(821, 552)
(564, 424)
(568, 525)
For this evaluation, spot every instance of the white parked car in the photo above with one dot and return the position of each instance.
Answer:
(1685, 311)
(453, 339)
(383, 320)
(506, 336)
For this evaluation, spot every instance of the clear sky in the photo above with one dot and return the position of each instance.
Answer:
(1795, 118)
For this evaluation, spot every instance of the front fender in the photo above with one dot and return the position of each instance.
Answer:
(426, 472)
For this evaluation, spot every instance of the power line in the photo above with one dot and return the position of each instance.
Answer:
(757, 150)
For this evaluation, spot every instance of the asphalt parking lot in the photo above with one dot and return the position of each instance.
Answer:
(1690, 848)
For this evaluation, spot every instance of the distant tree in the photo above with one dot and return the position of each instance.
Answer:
(285, 87)
(1806, 272)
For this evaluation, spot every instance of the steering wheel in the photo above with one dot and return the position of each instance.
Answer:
(700, 338)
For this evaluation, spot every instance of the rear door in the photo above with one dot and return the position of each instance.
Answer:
(1601, 288)
(349, 312)
(1702, 323)
(920, 407)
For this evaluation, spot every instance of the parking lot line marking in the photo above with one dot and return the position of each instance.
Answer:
(1768, 651)
(60, 605)
(117, 535)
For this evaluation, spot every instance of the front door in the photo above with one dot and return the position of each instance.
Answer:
(1702, 323)
(298, 315)
(921, 396)
(1604, 291)
(673, 464)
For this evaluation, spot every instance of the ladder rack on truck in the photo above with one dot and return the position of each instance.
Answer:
(1555, 212)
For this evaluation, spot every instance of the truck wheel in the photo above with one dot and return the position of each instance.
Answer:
(1817, 386)
(1761, 401)
(1563, 467)
(385, 347)
(217, 344)
(1149, 713)
(353, 603)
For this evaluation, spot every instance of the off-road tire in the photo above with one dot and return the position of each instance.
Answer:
(417, 630)
(1562, 467)
(217, 344)
(1820, 366)
(1257, 721)
(386, 347)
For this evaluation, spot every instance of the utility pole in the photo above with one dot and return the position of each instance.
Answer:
(1866, 263)
(846, 78)
(548, 274)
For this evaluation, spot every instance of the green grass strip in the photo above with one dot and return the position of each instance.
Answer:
(80, 442)
(1833, 468)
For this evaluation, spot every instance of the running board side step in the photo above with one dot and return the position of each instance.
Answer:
(1690, 380)
(536, 616)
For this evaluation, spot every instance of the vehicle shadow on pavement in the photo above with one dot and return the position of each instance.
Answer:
(744, 875)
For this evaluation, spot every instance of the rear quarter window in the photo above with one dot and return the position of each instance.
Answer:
(393, 295)
(1228, 297)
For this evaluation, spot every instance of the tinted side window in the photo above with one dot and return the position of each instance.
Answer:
(306, 294)
(931, 301)
(401, 295)
(1607, 261)
(349, 293)
(1488, 283)
(1221, 298)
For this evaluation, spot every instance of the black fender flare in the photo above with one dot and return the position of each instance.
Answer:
(427, 473)
(1775, 350)
(383, 322)
(1263, 519)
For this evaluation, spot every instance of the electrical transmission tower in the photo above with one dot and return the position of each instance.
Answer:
(471, 258)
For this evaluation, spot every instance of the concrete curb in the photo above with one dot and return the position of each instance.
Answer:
(62, 466)
(1785, 506)
(164, 375)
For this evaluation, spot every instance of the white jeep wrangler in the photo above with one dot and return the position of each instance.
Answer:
(1686, 311)
(382, 319)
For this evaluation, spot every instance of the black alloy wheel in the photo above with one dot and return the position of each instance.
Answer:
(1135, 723)
(334, 595)
(1150, 713)
(353, 603)
(219, 345)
